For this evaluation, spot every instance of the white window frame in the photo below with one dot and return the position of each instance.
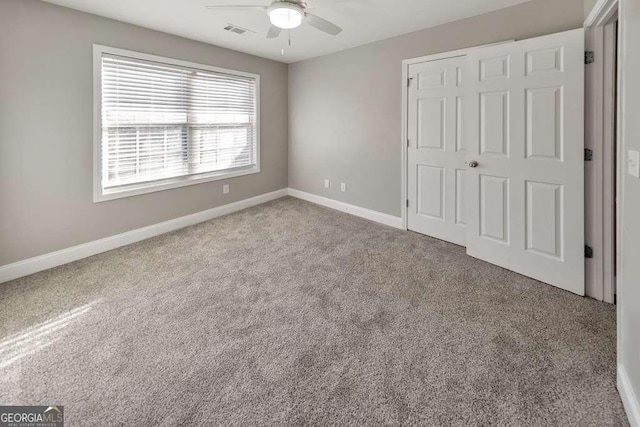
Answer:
(162, 184)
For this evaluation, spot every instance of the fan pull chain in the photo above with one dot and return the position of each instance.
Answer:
(289, 35)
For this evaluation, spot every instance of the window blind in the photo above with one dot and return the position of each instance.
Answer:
(163, 121)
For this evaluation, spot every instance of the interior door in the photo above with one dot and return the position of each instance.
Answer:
(526, 160)
(437, 150)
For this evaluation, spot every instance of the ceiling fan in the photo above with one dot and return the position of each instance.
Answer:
(287, 15)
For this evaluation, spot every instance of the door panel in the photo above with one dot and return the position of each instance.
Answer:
(436, 155)
(544, 61)
(525, 130)
(494, 68)
(431, 123)
(431, 79)
(494, 123)
(544, 218)
(431, 191)
(461, 196)
(461, 143)
(494, 208)
(544, 121)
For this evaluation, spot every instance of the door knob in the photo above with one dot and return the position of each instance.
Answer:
(473, 164)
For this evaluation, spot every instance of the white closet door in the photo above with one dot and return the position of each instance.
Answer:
(525, 129)
(437, 150)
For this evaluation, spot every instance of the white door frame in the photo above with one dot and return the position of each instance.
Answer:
(405, 115)
(600, 131)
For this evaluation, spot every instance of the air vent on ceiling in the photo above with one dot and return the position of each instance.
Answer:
(239, 30)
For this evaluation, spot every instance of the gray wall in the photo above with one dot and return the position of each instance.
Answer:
(46, 106)
(588, 5)
(629, 287)
(345, 108)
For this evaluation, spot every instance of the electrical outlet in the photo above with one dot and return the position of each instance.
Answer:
(225, 189)
(343, 187)
(326, 183)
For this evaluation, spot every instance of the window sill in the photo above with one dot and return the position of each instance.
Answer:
(99, 195)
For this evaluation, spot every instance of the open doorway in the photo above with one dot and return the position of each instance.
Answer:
(601, 150)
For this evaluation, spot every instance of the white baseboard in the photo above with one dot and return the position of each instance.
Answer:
(629, 397)
(74, 253)
(382, 218)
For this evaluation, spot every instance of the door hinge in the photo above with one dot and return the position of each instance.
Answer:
(588, 251)
(407, 202)
(408, 143)
(409, 81)
(589, 57)
(588, 154)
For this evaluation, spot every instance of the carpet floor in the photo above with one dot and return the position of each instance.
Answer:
(290, 313)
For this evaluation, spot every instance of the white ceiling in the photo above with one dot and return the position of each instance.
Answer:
(363, 21)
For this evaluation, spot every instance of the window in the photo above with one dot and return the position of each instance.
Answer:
(163, 123)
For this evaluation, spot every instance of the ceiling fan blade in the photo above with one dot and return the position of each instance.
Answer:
(322, 24)
(273, 32)
(237, 7)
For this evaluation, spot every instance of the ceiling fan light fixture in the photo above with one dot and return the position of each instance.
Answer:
(286, 15)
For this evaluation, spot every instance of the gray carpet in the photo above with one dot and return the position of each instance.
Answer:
(290, 313)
